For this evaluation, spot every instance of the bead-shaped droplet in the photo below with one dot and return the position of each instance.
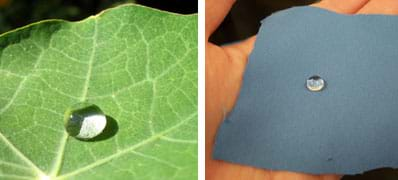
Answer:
(84, 121)
(315, 83)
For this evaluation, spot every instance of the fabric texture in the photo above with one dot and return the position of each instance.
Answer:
(349, 127)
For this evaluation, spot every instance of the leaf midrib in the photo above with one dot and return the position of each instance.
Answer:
(57, 165)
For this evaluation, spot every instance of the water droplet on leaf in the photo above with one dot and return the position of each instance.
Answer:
(84, 121)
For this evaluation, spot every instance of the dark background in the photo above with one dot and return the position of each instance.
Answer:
(240, 23)
(244, 18)
(17, 13)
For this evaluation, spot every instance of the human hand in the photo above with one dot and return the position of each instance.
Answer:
(225, 66)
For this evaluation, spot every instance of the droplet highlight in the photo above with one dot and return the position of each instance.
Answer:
(84, 121)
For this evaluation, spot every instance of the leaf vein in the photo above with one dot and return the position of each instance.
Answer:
(90, 64)
(12, 176)
(20, 154)
(14, 96)
(178, 140)
(14, 165)
(156, 159)
(61, 150)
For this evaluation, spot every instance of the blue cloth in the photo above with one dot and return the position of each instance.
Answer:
(349, 127)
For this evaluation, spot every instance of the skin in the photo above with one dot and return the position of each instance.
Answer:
(225, 66)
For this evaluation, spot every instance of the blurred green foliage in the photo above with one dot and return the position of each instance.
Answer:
(16, 13)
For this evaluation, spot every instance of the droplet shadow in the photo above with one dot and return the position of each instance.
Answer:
(110, 130)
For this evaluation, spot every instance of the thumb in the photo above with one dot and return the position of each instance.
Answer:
(240, 51)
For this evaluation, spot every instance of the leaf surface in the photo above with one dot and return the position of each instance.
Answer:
(139, 65)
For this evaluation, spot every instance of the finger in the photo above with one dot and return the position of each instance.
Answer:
(380, 7)
(302, 176)
(343, 7)
(242, 49)
(216, 10)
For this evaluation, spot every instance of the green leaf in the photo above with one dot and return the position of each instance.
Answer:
(139, 65)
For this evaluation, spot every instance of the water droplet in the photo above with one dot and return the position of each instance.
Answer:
(315, 83)
(84, 121)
